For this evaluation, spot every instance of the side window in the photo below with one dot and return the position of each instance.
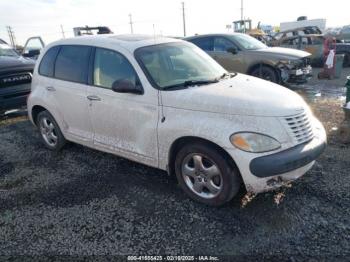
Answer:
(47, 63)
(222, 44)
(72, 63)
(291, 41)
(110, 66)
(205, 43)
(305, 41)
(278, 36)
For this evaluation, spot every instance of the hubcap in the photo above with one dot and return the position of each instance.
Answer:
(47, 130)
(201, 175)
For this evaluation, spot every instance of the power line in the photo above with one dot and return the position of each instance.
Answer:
(11, 36)
(183, 17)
(62, 32)
(131, 23)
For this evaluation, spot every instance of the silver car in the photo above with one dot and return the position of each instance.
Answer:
(245, 54)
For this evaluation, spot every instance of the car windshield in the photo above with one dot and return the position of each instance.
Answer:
(6, 50)
(248, 42)
(178, 65)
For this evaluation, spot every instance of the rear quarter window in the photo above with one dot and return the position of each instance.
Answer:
(72, 63)
(47, 64)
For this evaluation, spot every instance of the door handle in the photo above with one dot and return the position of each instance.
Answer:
(50, 88)
(93, 98)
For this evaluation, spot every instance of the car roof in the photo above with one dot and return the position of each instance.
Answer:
(207, 35)
(128, 41)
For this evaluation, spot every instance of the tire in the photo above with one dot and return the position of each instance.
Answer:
(266, 73)
(206, 175)
(50, 132)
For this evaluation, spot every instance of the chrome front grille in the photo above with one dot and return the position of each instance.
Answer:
(299, 127)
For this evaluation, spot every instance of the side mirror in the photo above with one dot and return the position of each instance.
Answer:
(32, 53)
(232, 50)
(126, 86)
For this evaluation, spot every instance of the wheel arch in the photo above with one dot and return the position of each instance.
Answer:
(271, 66)
(35, 112)
(181, 141)
(256, 66)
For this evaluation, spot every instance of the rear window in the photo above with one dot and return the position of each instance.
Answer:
(72, 63)
(47, 63)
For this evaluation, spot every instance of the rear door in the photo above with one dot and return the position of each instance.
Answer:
(69, 88)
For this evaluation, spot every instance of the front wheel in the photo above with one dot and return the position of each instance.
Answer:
(265, 73)
(205, 174)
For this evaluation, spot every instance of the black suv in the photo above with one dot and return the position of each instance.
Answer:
(15, 78)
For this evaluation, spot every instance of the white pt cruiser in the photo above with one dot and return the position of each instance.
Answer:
(165, 103)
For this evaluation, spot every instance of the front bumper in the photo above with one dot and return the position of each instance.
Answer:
(264, 172)
(296, 75)
(14, 96)
(287, 160)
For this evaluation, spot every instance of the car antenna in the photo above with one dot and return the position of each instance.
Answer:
(154, 33)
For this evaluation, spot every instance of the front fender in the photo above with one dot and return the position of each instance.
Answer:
(213, 127)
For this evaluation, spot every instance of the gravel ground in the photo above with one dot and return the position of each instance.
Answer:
(84, 202)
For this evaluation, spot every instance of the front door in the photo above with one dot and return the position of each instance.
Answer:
(232, 62)
(123, 123)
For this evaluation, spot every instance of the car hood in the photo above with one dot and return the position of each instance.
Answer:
(9, 62)
(240, 95)
(282, 53)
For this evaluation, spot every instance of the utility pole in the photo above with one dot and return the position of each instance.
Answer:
(131, 23)
(183, 17)
(241, 9)
(62, 31)
(11, 36)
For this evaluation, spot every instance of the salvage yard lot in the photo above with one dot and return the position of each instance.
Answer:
(84, 202)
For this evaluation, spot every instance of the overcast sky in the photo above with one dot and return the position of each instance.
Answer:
(44, 17)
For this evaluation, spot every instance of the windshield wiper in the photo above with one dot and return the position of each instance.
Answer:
(199, 82)
(190, 83)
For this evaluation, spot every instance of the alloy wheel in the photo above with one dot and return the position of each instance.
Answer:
(47, 130)
(202, 176)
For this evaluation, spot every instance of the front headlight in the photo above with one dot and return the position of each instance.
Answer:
(289, 63)
(254, 142)
(286, 62)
